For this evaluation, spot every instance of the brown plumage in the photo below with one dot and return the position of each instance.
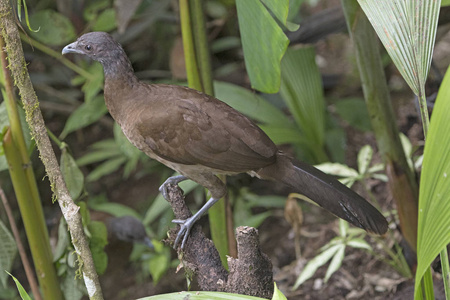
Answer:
(200, 137)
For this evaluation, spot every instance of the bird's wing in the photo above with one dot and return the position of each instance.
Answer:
(191, 128)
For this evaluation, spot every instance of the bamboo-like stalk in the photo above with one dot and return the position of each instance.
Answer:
(401, 179)
(198, 69)
(35, 120)
(33, 220)
(192, 71)
(22, 252)
(27, 193)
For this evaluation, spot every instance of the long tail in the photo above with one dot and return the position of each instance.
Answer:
(328, 192)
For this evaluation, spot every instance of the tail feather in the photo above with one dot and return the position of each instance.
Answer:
(328, 192)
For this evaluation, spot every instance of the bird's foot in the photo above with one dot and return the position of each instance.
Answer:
(175, 180)
(185, 229)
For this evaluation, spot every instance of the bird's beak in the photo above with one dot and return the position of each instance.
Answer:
(71, 48)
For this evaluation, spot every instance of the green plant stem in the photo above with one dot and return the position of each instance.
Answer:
(201, 46)
(27, 192)
(192, 72)
(57, 55)
(445, 272)
(402, 181)
(70, 210)
(33, 220)
(22, 252)
(198, 69)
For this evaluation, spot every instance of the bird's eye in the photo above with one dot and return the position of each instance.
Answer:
(88, 47)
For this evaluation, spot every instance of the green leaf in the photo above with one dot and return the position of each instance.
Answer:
(434, 195)
(159, 263)
(359, 243)
(407, 29)
(8, 252)
(114, 209)
(73, 176)
(251, 105)
(86, 114)
(92, 87)
(337, 170)
(63, 240)
(22, 292)
(106, 21)
(315, 263)
(106, 168)
(445, 3)
(97, 243)
(301, 89)
(277, 294)
(354, 111)
(55, 28)
(263, 42)
(335, 263)
(364, 158)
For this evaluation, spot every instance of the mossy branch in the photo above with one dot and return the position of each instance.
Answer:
(19, 72)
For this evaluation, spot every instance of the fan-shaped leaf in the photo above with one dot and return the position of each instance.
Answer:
(407, 28)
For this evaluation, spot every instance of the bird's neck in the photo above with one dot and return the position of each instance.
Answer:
(120, 82)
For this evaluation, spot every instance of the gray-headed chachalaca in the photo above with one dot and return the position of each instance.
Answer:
(200, 137)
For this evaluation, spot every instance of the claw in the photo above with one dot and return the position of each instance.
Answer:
(175, 180)
(186, 225)
(185, 229)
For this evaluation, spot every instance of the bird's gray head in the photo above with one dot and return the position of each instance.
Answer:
(99, 46)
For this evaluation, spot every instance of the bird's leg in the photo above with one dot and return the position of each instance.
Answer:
(175, 180)
(186, 225)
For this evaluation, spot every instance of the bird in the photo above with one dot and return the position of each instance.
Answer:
(201, 137)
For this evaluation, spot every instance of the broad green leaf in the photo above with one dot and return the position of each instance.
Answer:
(106, 168)
(354, 111)
(315, 263)
(114, 209)
(364, 158)
(73, 176)
(283, 135)
(434, 195)
(301, 89)
(201, 296)
(251, 105)
(22, 292)
(159, 263)
(407, 29)
(263, 42)
(97, 243)
(445, 3)
(55, 28)
(86, 114)
(63, 240)
(8, 251)
(335, 263)
(106, 21)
